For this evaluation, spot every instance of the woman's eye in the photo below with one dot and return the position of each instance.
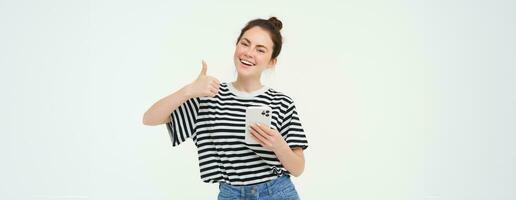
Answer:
(244, 44)
(261, 51)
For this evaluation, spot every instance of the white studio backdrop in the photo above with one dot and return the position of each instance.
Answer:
(400, 100)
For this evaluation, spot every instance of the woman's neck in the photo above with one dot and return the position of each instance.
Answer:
(247, 85)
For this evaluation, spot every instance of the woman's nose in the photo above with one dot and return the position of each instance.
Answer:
(248, 53)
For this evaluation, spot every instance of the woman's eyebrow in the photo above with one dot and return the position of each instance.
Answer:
(259, 45)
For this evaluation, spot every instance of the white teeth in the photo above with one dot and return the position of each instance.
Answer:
(246, 62)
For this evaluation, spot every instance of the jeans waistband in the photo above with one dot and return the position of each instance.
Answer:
(268, 187)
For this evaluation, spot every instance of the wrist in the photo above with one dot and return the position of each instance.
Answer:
(186, 92)
(282, 148)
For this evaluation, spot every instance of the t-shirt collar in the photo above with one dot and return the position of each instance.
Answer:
(246, 94)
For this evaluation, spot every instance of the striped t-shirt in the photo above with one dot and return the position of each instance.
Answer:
(217, 127)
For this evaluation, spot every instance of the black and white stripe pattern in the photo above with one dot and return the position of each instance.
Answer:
(217, 127)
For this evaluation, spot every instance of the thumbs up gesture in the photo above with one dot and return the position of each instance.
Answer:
(204, 85)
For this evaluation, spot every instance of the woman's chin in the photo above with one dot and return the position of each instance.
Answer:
(245, 70)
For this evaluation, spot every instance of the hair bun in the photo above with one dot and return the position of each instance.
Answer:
(276, 23)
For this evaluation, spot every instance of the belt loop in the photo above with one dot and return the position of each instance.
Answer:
(269, 187)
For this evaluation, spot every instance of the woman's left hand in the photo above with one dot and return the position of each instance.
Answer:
(269, 138)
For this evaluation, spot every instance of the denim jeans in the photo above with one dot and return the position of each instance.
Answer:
(279, 188)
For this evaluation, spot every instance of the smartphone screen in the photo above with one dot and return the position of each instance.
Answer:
(256, 114)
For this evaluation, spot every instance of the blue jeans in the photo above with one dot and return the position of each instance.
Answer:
(279, 188)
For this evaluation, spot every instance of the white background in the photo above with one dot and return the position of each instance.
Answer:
(399, 99)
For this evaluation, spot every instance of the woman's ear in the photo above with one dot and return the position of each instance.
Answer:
(272, 63)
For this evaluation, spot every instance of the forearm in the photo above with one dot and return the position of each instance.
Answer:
(293, 162)
(160, 111)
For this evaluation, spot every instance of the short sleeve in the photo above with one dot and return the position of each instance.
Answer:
(182, 121)
(292, 130)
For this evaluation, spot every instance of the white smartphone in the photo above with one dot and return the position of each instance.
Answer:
(256, 114)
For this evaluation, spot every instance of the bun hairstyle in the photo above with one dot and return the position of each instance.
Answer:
(272, 25)
(276, 23)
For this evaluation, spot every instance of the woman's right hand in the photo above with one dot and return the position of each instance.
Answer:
(204, 85)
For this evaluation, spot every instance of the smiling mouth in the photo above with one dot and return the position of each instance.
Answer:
(246, 63)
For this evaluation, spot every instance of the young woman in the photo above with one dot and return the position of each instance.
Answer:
(213, 115)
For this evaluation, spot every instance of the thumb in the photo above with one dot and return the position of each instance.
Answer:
(204, 69)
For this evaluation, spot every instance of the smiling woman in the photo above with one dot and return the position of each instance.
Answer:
(258, 47)
(213, 115)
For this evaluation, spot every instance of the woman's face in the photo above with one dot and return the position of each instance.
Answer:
(253, 52)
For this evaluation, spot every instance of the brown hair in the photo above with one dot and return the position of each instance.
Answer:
(273, 25)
